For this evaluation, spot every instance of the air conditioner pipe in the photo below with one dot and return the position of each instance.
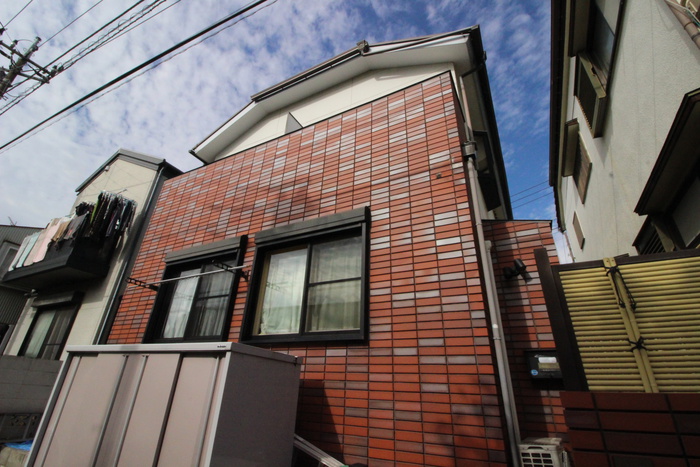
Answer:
(511, 416)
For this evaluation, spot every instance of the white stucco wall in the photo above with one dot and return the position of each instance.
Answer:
(133, 182)
(353, 93)
(656, 65)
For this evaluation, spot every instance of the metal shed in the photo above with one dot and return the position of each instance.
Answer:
(170, 404)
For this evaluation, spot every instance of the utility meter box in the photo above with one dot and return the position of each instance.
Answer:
(170, 405)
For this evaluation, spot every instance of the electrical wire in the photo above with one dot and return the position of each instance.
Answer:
(76, 19)
(107, 37)
(131, 28)
(20, 11)
(529, 188)
(121, 28)
(95, 33)
(528, 195)
(95, 93)
(532, 200)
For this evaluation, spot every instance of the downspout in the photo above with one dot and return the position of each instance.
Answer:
(120, 285)
(499, 344)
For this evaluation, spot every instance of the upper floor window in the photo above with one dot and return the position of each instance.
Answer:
(309, 281)
(195, 297)
(601, 41)
(593, 29)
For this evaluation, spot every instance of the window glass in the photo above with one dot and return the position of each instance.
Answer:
(582, 170)
(282, 290)
(209, 317)
(180, 304)
(48, 334)
(38, 334)
(195, 305)
(311, 288)
(601, 43)
(7, 254)
(334, 306)
(340, 259)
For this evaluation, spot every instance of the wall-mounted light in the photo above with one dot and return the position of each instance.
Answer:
(518, 269)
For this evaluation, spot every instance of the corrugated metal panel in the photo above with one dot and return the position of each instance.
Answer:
(667, 294)
(14, 234)
(601, 332)
(11, 305)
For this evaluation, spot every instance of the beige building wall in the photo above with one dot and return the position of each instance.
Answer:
(133, 182)
(353, 93)
(656, 65)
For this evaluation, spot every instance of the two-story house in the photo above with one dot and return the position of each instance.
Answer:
(357, 215)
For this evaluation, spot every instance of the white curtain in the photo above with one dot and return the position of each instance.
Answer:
(282, 292)
(180, 304)
(212, 298)
(334, 286)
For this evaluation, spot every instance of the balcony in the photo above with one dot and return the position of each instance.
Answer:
(72, 249)
(83, 260)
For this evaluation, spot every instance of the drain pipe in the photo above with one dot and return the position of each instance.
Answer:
(511, 416)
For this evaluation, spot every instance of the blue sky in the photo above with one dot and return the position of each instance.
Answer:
(166, 111)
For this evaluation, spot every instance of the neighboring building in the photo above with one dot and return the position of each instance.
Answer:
(625, 167)
(70, 274)
(11, 300)
(72, 281)
(625, 88)
(357, 215)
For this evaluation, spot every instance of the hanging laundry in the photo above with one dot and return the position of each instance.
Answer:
(109, 217)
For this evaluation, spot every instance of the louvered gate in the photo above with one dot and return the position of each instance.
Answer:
(628, 324)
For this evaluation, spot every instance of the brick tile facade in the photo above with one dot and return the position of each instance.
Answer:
(422, 389)
(526, 323)
(645, 429)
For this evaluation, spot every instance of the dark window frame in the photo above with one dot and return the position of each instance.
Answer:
(229, 252)
(337, 226)
(68, 303)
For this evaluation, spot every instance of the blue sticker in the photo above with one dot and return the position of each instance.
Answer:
(534, 372)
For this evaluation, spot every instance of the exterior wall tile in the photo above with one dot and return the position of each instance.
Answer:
(422, 389)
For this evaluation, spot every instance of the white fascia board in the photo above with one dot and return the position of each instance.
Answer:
(450, 49)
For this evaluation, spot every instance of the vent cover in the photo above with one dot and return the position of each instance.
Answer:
(539, 455)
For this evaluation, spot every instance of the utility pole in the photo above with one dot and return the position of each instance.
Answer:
(18, 61)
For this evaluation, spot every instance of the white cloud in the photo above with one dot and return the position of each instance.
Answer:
(166, 111)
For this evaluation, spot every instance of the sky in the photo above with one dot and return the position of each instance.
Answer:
(177, 102)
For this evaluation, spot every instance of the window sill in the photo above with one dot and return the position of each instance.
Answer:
(337, 336)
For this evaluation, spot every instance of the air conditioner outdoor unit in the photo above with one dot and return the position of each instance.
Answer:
(543, 452)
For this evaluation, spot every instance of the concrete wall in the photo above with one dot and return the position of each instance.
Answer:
(26, 383)
(656, 65)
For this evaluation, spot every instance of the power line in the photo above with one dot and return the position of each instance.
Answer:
(96, 32)
(529, 188)
(529, 194)
(120, 29)
(134, 70)
(532, 200)
(20, 11)
(76, 19)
